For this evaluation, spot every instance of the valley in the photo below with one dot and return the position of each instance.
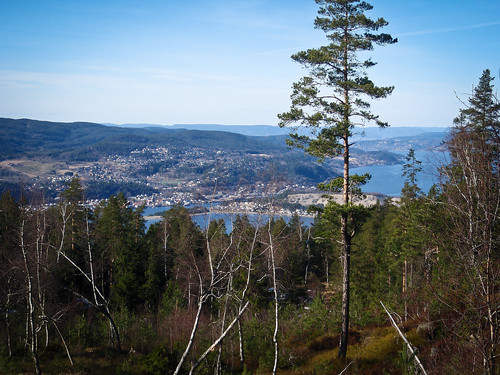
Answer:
(161, 166)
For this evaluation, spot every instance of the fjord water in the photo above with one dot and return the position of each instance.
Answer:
(388, 179)
(202, 220)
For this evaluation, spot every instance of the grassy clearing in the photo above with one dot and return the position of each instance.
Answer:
(32, 168)
(372, 351)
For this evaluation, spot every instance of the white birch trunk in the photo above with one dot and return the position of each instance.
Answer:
(31, 305)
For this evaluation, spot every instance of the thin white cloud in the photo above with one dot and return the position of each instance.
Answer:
(13, 78)
(111, 78)
(448, 29)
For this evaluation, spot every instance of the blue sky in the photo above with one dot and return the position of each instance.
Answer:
(226, 61)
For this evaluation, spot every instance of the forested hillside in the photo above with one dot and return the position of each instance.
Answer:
(72, 142)
(92, 291)
(87, 141)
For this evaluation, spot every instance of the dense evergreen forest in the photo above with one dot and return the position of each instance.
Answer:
(92, 291)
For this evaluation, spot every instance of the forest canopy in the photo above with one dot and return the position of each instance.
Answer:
(93, 290)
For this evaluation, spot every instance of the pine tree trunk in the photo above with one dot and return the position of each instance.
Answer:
(346, 258)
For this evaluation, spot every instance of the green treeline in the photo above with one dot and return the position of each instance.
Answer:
(92, 291)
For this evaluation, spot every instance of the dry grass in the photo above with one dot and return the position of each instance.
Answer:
(371, 351)
(33, 168)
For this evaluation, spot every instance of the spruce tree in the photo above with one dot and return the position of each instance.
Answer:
(120, 240)
(72, 203)
(411, 169)
(482, 112)
(330, 102)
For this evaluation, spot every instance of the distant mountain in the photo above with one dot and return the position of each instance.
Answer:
(360, 133)
(253, 130)
(419, 142)
(81, 141)
(134, 125)
(88, 141)
(370, 133)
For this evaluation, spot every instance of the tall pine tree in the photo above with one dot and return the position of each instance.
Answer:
(329, 101)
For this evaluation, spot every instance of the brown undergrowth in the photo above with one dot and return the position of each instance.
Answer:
(372, 350)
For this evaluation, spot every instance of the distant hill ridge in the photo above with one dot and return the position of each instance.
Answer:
(89, 141)
(267, 130)
(84, 141)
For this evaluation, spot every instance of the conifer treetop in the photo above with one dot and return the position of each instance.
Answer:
(329, 101)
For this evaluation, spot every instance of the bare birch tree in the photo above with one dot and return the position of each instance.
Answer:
(32, 332)
(223, 260)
